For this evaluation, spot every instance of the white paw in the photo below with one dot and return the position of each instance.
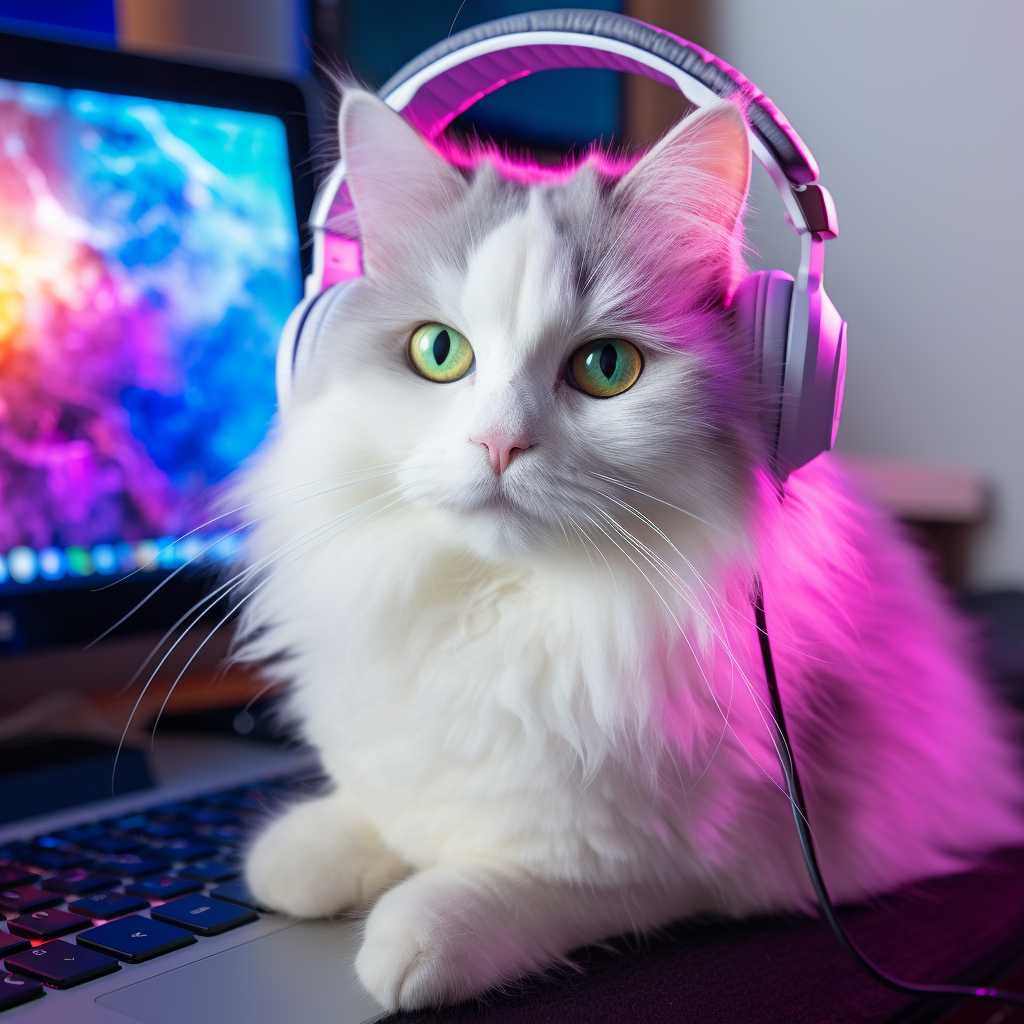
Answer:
(440, 938)
(318, 859)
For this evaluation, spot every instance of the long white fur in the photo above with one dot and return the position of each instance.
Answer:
(544, 716)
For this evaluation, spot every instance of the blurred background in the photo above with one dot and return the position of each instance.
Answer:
(910, 109)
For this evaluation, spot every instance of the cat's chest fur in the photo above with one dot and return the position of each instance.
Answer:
(477, 710)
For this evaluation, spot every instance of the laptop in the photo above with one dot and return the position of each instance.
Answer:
(151, 249)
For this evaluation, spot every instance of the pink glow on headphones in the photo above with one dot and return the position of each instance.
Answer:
(343, 259)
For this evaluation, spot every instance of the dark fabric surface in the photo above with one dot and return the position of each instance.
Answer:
(960, 928)
(1000, 617)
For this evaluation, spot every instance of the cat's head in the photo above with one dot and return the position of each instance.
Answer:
(535, 352)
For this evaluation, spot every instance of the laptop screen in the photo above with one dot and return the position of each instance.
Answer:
(149, 257)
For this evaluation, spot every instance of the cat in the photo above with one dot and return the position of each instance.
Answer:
(503, 558)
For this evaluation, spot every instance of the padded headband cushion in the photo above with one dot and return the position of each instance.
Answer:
(768, 123)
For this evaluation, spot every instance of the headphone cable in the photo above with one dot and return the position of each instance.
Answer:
(796, 801)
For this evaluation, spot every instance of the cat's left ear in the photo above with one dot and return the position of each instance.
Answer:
(703, 164)
(396, 180)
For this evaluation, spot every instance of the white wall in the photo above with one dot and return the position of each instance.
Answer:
(913, 111)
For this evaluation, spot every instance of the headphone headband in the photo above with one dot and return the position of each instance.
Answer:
(612, 41)
(444, 81)
(434, 88)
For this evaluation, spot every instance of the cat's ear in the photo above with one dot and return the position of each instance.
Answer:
(395, 179)
(703, 163)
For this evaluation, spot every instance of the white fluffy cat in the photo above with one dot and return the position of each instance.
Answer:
(515, 614)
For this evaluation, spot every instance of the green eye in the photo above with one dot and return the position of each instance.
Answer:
(440, 353)
(605, 367)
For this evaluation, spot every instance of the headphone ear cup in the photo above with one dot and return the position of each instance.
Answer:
(286, 348)
(299, 337)
(763, 302)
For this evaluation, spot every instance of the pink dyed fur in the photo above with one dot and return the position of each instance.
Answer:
(910, 767)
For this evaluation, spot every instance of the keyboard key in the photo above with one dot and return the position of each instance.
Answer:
(238, 892)
(61, 964)
(204, 915)
(209, 871)
(232, 835)
(211, 816)
(112, 845)
(165, 830)
(130, 823)
(170, 811)
(80, 833)
(106, 905)
(135, 939)
(23, 899)
(14, 990)
(213, 800)
(12, 944)
(163, 887)
(186, 849)
(11, 876)
(78, 881)
(46, 924)
(248, 804)
(134, 865)
(51, 860)
(51, 843)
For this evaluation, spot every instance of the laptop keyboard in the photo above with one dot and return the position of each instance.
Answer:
(72, 898)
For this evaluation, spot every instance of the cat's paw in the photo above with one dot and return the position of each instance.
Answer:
(320, 858)
(442, 936)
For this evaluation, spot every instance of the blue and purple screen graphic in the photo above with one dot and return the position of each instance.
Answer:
(149, 258)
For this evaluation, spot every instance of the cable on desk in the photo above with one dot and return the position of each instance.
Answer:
(796, 800)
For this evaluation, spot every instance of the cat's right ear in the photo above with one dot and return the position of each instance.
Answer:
(395, 178)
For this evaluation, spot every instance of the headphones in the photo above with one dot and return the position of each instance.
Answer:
(796, 337)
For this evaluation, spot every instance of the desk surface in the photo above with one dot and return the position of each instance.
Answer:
(959, 928)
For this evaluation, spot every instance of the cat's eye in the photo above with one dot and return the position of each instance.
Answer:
(440, 353)
(605, 367)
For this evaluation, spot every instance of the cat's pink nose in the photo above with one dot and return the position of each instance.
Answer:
(502, 447)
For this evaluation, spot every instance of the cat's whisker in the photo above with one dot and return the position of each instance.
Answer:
(711, 592)
(233, 611)
(713, 596)
(209, 600)
(240, 508)
(682, 588)
(679, 627)
(662, 501)
(676, 581)
(626, 554)
(241, 578)
(758, 700)
(244, 526)
(586, 537)
(565, 534)
(735, 666)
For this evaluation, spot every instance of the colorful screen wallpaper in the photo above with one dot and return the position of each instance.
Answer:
(149, 258)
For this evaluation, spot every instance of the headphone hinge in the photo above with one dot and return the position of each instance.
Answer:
(818, 209)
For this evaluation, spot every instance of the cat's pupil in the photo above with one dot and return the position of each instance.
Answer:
(442, 346)
(609, 360)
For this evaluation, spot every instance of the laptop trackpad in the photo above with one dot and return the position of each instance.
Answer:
(303, 973)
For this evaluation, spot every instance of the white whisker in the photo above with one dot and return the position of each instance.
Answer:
(241, 577)
(152, 593)
(759, 702)
(259, 586)
(662, 501)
